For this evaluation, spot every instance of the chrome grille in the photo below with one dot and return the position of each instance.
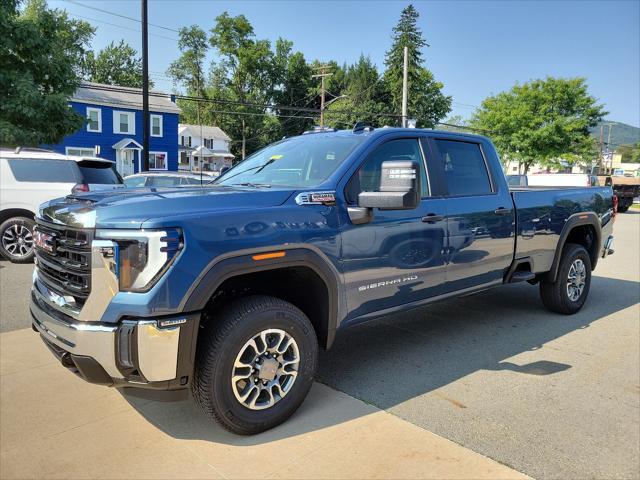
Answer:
(66, 270)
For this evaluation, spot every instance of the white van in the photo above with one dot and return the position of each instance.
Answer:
(30, 177)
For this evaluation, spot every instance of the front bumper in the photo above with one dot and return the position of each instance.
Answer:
(146, 353)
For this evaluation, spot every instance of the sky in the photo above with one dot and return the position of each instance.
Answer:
(477, 48)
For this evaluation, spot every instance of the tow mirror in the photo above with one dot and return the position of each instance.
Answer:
(399, 187)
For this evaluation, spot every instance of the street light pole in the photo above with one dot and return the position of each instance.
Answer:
(405, 87)
(145, 88)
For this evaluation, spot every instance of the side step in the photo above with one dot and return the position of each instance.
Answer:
(522, 277)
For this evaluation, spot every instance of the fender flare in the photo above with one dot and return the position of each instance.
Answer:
(241, 263)
(576, 220)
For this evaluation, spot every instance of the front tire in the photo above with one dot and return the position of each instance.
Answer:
(16, 239)
(570, 290)
(255, 364)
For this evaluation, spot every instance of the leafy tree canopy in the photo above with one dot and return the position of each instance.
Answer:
(541, 120)
(426, 102)
(41, 55)
(116, 64)
(630, 153)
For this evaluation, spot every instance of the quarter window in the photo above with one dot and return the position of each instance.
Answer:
(367, 178)
(124, 122)
(94, 119)
(464, 168)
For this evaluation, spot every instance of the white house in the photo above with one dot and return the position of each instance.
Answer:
(203, 147)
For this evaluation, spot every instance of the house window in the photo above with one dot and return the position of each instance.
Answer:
(124, 122)
(157, 160)
(156, 125)
(182, 140)
(94, 120)
(80, 151)
(189, 138)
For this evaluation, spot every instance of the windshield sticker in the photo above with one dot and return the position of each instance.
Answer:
(276, 157)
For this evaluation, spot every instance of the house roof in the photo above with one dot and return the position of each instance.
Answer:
(123, 97)
(207, 131)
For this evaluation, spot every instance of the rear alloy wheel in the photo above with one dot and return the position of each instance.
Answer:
(16, 239)
(569, 291)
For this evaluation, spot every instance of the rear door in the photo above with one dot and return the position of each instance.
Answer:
(396, 257)
(31, 182)
(480, 215)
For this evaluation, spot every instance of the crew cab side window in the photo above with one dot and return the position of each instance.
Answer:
(367, 178)
(465, 170)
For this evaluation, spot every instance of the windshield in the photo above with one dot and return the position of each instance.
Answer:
(297, 162)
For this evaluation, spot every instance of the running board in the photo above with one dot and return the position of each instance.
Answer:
(522, 277)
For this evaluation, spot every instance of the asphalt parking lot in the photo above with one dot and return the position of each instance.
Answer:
(547, 395)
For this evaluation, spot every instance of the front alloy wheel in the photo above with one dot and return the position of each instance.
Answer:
(255, 363)
(265, 369)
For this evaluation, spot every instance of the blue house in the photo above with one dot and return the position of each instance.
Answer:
(114, 128)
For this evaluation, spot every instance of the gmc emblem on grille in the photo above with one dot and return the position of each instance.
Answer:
(44, 241)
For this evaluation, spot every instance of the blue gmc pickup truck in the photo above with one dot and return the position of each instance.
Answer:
(230, 290)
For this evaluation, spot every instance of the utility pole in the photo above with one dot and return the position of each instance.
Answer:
(323, 73)
(405, 90)
(600, 169)
(145, 89)
(609, 137)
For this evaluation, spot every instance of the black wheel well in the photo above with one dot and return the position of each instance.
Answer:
(586, 236)
(15, 212)
(298, 285)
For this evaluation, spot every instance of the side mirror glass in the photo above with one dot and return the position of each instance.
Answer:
(399, 187)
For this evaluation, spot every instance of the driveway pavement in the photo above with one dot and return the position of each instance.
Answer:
(550, 396)
(54, 425)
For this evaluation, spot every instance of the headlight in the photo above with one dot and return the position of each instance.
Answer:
(142, 256)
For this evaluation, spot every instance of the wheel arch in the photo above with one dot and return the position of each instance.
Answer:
(583, 229)
(8, 213)
(302, 277)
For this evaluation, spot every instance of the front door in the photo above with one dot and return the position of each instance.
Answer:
(125, 162)
(397, 257)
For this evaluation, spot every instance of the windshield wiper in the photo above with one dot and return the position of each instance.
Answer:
(258, 169)
(249, 184)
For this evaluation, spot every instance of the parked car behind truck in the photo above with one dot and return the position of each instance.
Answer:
(231, 290)
(31, 176)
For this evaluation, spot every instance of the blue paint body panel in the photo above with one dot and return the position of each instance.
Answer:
(393, 262)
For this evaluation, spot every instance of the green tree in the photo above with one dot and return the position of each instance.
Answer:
(115, 65)
(243, 75)
(541, 120)
(292, 86)
(188, 69)
(41, 56)
(364, 97)
(426, 102)
(630, 153)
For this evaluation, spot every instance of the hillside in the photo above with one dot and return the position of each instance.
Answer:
(621, 133)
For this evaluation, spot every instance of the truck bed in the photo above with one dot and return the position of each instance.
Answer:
(542, 213)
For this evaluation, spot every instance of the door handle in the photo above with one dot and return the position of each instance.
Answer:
(502, 211)
(432, 218)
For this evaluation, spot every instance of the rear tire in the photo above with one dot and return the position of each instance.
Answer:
(273, 391)
(570, 290)
(16, 239)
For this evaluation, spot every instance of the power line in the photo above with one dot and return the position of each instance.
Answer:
(120, 26)
(91, 7)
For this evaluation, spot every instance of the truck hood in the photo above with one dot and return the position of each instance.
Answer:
(130, 208)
